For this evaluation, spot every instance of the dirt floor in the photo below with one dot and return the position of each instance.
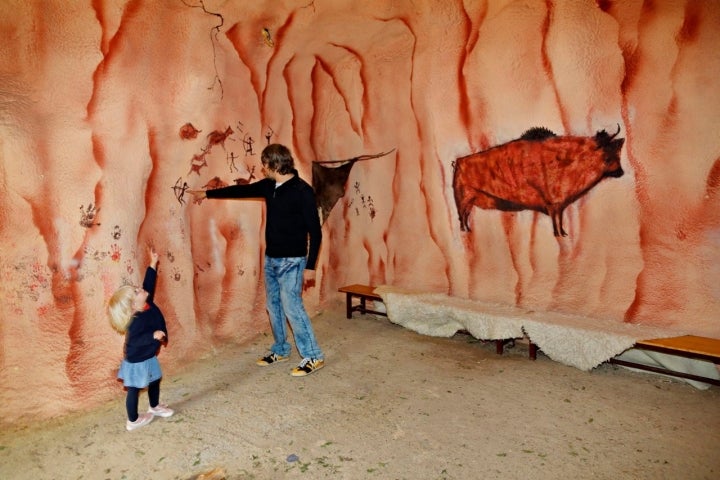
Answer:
(390, 404)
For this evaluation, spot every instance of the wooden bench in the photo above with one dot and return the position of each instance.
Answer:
(689, 346)
(364, 293)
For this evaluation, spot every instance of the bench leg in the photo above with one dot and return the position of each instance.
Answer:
(361, 307)
(348, 300)
(499, 346)
(532, 351)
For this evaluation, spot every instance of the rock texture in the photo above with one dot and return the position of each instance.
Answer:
(111, 109)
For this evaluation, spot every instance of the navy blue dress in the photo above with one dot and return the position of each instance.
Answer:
(140, 365)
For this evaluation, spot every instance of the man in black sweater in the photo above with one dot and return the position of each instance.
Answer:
(292, 238)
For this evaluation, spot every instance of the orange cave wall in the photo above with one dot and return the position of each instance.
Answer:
(111, 109)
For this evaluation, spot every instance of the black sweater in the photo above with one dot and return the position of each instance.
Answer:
(292, 216)
(139, 342)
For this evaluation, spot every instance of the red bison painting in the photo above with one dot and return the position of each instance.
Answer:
(539, 171)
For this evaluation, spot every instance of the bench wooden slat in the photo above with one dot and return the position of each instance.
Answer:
(364, 290)
(690, 346)
(687, 345)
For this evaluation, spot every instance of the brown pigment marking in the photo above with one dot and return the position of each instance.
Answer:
(478, 139)
(369, 250)
(230, 233)
(291, 100)
(65, 293)
(665, 295)
(328, 69)
(690, 30)
(365, 101)
(670, 119)
(547, 65)
(97, 6)
(713, 180)
(233, 35)
(315, 89)
(565, 265)
(382, 271)
(649, 7)
(40, 29)
(153, 178)
(114, 46)
(604, 5)
(464, 96)
(533, 242)
(509, 223)
(633, 61)
(98, 149)
(472, 256)
(78, 361)
(278, 38)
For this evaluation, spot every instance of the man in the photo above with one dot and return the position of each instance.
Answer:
(292, 218)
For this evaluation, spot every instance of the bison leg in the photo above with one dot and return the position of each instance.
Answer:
(463, 214)
(477, 198)
(464, 204)
(560, 222)
(556, 214)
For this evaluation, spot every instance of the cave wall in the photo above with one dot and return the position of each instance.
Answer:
(110, 110)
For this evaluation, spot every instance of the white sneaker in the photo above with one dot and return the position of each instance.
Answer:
(142, 420)
(161, 410)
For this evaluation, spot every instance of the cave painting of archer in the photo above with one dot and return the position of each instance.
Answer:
(539, 171)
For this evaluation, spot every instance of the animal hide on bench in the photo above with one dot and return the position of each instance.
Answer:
(573, 340)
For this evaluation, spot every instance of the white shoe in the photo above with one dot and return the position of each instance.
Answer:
(142, 420)
(161, 410)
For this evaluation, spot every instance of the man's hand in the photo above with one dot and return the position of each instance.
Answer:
(198, 195)
(308, 279)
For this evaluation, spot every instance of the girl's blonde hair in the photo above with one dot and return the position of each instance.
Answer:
(120, 310)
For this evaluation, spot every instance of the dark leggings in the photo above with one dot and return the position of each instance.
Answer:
(131, 401)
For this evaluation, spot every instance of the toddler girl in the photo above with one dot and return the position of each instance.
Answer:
(133, 312)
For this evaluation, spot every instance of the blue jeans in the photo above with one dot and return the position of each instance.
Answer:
(283, 288)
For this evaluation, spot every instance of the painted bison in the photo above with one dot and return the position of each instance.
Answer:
(539, 171)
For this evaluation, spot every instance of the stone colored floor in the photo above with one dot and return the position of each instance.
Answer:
(390, 404)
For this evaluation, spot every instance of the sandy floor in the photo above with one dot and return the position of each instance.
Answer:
(390, 404)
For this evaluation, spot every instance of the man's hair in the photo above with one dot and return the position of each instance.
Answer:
(120, 309)
(278, 159)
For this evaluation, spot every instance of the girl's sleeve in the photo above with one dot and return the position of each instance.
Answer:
(145, 338)
(164, 329)
(149, 283)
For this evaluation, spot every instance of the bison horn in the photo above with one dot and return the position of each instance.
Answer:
(616, 133)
